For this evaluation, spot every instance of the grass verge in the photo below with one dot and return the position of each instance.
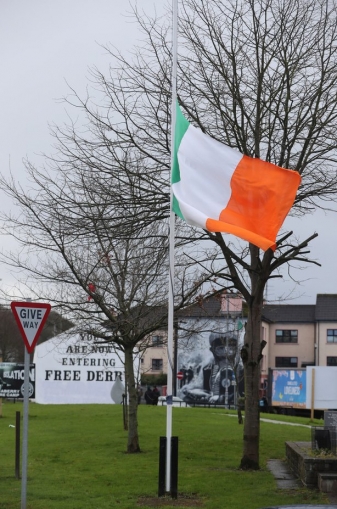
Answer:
(77, 459)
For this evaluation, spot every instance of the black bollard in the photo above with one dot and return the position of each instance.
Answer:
(174, 467)
(162, 466)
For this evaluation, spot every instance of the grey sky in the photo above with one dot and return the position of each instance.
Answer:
(46, 43)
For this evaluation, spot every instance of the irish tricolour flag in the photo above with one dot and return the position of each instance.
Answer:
(218, 189)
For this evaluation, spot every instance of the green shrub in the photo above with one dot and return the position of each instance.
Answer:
(154, 379)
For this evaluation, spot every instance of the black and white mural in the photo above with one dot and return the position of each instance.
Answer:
(209, 360)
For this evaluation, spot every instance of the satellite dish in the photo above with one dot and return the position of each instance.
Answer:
(117, 391)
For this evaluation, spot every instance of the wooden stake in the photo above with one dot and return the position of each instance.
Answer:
(0, 398)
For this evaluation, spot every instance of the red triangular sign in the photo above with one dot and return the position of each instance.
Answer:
(30, 317)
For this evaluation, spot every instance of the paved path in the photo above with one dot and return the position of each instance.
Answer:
(272, 421)
(285, 479)
(282, 422)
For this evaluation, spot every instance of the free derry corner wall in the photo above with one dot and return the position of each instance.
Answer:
(72, 368)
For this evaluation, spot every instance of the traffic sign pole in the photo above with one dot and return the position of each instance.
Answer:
(25, 432)
(30, 318)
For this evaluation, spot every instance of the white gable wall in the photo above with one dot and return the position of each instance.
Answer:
(73, 369)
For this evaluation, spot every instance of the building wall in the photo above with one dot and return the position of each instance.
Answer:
(325, 348)
(154, 355)
(312, 346)
(71, 369)
(303, 349)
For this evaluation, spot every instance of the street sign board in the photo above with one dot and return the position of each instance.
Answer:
(12, 380)
(180, 375)
(30, 317)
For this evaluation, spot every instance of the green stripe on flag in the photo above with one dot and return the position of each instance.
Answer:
(181, 127)
(176, 208)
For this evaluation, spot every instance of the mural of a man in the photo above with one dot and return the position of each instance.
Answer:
(218, 374)
(211, 378)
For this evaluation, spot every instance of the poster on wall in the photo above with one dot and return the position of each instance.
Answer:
(210, 364)
(72, 368)
(12, 377)
(289, 388)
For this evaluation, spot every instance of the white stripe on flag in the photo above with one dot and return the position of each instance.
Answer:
(204, 187)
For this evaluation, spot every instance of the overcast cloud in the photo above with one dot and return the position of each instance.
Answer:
(45, 43)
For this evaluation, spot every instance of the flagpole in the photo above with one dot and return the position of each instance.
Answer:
(171, 255)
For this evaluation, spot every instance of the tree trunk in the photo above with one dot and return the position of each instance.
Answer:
(133, 440)
(251, 354)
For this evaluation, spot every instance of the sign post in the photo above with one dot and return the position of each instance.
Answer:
(312, 412)
(180, 376)
(30, 318)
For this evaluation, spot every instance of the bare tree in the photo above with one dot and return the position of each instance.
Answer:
(262, 78)
(258, 75)
(11, 343)
(80, 251)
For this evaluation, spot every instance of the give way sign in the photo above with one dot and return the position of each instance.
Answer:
(30, 317)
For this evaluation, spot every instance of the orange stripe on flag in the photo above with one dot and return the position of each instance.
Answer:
(262, 195)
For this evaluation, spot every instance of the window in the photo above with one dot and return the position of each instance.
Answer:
(331, 361)
(332, 335)
(286, 362)
(305, 364)
(286, 336)
(157, 365)
(157, 341)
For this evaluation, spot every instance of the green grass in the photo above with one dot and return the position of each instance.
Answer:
(77, 460)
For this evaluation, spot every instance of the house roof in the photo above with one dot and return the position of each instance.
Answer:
(206, 307)
(210, 307)
(326, 307)
(291, 313)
